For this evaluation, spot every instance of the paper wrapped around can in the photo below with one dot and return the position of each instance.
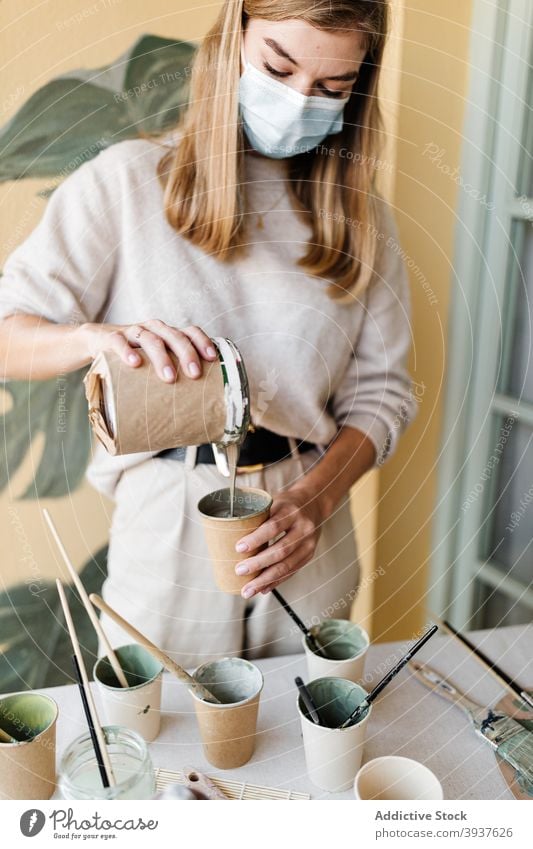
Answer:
(132, 409)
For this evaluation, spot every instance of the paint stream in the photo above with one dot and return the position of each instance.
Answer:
(232, 453)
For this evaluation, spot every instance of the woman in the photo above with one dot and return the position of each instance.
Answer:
(257, 220)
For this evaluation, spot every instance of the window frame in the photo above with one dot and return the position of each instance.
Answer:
(494, 129)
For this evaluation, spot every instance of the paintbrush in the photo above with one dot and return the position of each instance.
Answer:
(496, 671)
(110, 777)
(307, 699)
(117, 669)
(512, 742)
(374, 693)
(201, 691)
(88, 717)
(311, 639)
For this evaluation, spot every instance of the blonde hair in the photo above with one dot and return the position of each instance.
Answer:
(203, 174)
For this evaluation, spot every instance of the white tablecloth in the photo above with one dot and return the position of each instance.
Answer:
(406, 720)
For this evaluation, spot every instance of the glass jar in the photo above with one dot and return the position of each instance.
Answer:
(79, 776)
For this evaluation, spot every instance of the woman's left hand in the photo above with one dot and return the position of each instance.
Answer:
(297, 515)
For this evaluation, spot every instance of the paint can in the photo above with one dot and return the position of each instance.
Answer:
(132, 410)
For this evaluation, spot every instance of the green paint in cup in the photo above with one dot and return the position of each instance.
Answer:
(138, 706)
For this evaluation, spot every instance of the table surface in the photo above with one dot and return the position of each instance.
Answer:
(406, 720)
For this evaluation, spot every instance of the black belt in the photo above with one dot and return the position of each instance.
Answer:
(260, 448)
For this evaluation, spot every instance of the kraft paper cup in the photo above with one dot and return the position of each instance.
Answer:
(137, 707)
(228, 729)
(252, 508)
(392, 777)
(346, 644)
(28, 767)
(332, 754)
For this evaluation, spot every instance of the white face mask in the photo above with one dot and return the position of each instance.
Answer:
(280, 121)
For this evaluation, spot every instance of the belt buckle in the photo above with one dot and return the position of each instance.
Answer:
(255, 467)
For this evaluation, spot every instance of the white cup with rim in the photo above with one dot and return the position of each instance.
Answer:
(137, 707)
(333, 754)
(346, 645)
(393, 777)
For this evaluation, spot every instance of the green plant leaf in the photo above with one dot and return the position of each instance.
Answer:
(157, 81)
(74, 116)
(37, 406)
(36, 648)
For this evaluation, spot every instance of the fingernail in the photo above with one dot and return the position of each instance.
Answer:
(194, 371)
(133, 358)
(248, 593)
(210, 351)
(168, 373)
(241, 570)
(241, 546)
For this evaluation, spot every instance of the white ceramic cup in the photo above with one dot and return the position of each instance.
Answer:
(137, 707)
(332, 754)
(393, 777)
(345, 642)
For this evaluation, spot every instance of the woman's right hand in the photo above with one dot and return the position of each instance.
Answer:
(156, 339)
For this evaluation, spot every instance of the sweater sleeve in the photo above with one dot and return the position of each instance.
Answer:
(375, 394)
(62, 271)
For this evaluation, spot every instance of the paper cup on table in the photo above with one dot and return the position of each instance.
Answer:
(222, 532)
(137, 707)
(332, 754)
(393, 777)
(28, 767)
(346, 645)
(228, 729)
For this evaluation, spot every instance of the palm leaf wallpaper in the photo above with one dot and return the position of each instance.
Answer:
(64, 123)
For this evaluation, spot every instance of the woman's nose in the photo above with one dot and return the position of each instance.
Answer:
(304, 85)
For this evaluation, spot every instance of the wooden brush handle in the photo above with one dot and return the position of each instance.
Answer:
(435, 681)
(117, 669)
(201, 691)
(201, 782)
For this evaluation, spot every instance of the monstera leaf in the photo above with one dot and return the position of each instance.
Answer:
(57, 409)
(36, 649)
(61, 125)
(71, 118)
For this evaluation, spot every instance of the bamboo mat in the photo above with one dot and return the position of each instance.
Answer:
(232, 789)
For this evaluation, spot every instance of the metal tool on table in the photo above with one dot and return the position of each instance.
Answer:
(511, 741)
(495, 670)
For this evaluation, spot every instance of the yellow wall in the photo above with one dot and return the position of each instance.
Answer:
(432, 92)
(424, 84)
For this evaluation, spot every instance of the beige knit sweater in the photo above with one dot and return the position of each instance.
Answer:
(103, 251)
